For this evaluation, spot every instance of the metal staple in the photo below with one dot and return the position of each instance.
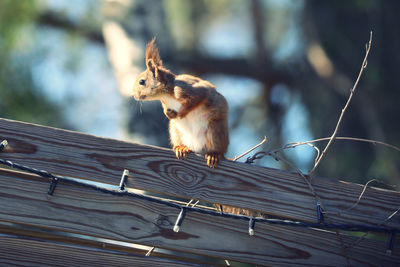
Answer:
(188, 208)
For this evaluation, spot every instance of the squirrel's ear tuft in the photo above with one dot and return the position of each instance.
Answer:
(153, 53)
(151, 66)
(154, 64)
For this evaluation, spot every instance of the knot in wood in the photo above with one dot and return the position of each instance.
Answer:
(187, 178)
(163, 221)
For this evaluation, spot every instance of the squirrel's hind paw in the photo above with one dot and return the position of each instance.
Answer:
(213, 159)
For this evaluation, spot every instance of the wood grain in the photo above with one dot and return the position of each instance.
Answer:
(27, 252)
(48, 234)
(271, 191)
(78, 209)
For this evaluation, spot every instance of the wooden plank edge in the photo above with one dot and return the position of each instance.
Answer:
(165, 248)
(24, 251)
(265, 233)
(66, 238)
(306, 211)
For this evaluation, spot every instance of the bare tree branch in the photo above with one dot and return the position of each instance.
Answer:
(59, 21)
(363, 66)
(259, 68)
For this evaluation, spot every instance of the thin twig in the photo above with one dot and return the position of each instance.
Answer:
(276, 156)
(346, 256)
(361, 238)
(374, 142)
(390, 216)
(316, 149)
(356, 203)
(358, 241)
(363, 66)
(361, 195)
(296, 144)
(251, 149)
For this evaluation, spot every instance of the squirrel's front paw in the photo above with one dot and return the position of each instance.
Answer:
(181, 151)
(171, 114)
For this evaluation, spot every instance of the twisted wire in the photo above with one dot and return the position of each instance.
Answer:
(189, 208)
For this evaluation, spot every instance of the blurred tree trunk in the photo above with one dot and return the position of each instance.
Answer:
(334, 34)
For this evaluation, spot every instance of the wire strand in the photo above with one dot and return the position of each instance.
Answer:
(326, 226)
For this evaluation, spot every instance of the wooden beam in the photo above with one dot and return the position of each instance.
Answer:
(31, 252)
(80, 210)
(52, 235)
(275, 192)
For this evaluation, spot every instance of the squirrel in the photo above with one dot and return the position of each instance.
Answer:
(197, 113)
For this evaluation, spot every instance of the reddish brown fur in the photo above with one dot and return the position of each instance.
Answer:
(153, 53)
(192, 93)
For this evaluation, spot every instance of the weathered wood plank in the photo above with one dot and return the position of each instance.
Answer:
(78, 209)
(29, 231)
(26, 252)
(274, 192)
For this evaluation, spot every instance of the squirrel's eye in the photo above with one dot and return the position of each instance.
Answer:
(142, 82)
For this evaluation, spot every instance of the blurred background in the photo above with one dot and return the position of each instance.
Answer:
(285, 66)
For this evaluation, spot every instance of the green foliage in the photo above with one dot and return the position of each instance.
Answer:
(20, 99)
(14, 15)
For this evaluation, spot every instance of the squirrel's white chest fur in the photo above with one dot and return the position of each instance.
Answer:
(192, 129)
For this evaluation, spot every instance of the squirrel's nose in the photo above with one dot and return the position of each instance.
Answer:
(142, 97)
(137, 96)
